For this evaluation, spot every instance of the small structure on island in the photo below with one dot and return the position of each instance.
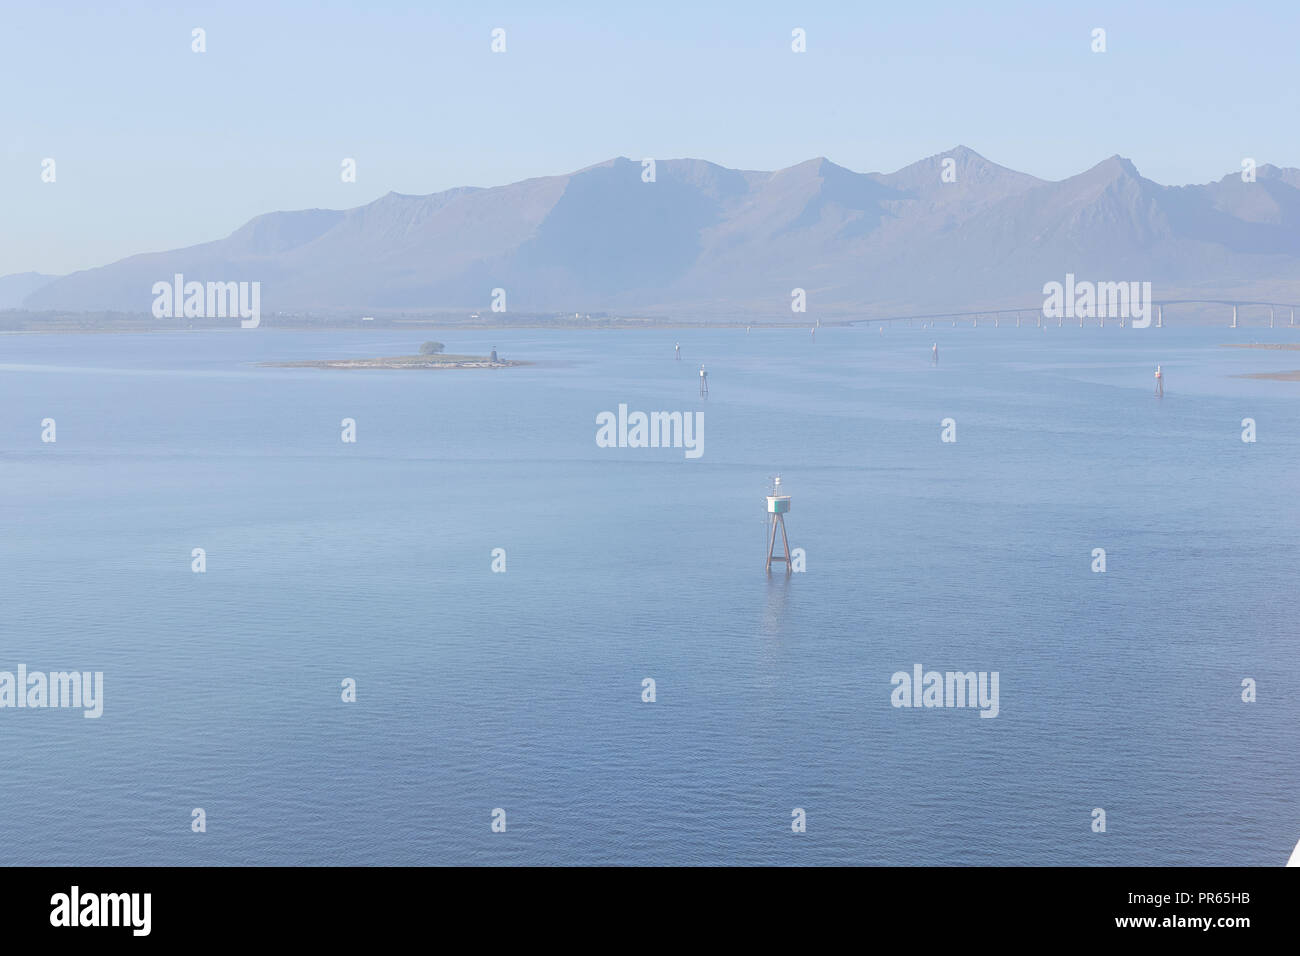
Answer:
(1160, 383)
(704, 383)
(493, 357)
(778, 506)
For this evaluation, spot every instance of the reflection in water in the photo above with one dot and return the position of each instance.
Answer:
(778, 593)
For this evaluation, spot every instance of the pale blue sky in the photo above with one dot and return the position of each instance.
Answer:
(158, 147)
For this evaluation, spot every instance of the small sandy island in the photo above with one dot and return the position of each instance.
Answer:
(1292, 376)
(405, 361)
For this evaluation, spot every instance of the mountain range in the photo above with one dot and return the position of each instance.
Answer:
(705, 240)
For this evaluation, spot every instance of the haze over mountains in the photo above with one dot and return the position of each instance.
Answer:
(704, 240)
(18, 286)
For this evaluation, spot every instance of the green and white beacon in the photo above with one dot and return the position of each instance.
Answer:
(778, 506)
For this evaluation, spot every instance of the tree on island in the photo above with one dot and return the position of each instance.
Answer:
(431, 348)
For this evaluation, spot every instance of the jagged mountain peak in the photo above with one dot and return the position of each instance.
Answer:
(1110, 168)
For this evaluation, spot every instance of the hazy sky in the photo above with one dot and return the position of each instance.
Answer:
(157, 146)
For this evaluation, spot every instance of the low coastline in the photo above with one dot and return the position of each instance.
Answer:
(1291, 376)
(1274, 346)
(403, 362)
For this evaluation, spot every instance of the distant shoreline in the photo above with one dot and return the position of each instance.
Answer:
(14, 322)
(402, 362)
(645, 325)
(1279, 346)
(1292, 376)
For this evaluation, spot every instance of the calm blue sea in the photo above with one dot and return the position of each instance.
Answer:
(522, 691)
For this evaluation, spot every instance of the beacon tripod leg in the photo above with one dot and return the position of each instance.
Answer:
(771, 545)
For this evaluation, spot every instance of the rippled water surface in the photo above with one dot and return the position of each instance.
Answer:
(522, 690)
